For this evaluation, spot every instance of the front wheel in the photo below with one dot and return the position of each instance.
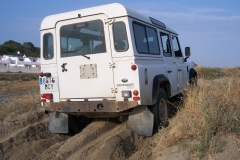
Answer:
(193, 77)
(160, 110)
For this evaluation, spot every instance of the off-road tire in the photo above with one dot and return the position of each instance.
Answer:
(193, 78)
(160, 110)
(77, 123)
(122, 118)
(73, 124)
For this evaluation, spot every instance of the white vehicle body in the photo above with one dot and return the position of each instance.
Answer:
(137, 53)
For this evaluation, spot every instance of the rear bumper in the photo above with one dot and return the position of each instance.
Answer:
(90, 107)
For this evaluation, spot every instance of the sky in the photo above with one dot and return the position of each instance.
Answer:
(211, 28)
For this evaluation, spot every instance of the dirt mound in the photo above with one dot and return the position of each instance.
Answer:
(26, 136)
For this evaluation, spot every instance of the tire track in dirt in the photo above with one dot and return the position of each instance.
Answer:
(28, 142)
(82, 140)
(14, 122)
(27, 137)
(99, 140)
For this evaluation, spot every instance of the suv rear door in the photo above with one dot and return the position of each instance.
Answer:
(84, 57)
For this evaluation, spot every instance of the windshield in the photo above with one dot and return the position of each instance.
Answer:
(82, 38)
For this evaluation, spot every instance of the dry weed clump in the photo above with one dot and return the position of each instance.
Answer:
(211, 109)
(11, 76)
(19, 104)
(215, 73)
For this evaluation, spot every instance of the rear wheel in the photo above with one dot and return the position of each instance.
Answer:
(73, 124)
(160, 110)
(77, 123)
(122, 118)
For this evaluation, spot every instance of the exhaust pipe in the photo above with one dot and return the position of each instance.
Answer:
(46, 111)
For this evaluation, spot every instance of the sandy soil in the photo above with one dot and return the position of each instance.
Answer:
(26, 136)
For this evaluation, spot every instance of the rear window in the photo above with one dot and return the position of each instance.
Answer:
(146, 39)
(120, 37)
(48, 46)
(82, 38)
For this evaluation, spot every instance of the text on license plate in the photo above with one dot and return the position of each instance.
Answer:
(48, 83)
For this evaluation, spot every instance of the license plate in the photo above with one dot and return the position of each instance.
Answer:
(48, 83)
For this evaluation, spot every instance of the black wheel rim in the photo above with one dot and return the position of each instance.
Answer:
(163, 112)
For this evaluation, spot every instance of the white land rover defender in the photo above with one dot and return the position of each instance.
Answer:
(110, 61)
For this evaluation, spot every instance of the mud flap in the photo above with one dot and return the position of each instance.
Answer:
(58, 122)
(140, 120)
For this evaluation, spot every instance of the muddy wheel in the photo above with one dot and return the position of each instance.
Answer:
(122, 118)
(73, 124)
(77, 123)
(160, 110)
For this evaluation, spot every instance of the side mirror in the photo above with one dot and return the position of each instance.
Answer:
(187, 51)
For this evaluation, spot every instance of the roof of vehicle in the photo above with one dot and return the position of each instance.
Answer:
(111, 10)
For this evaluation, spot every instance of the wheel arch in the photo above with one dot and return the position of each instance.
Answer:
(160, 81)
(192, 74)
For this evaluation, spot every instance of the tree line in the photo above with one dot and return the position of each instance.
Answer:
(11, 48)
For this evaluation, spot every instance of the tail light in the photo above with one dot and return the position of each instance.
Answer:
(46, 96)
(41, 74)
(136, 98)
(134, 67)
(43, 100)
(135, 92)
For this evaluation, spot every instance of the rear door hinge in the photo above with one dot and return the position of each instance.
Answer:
(109, 21)
(114, 90)
(112, 65)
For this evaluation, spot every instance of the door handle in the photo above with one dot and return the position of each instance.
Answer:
(63, 67)
(179, 70)
(169, 71)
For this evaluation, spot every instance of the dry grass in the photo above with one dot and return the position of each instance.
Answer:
(211, 109)
(7, 87)
(215, 73)
(13, 76)
(20, 103)
(18, 82)
(19, 92)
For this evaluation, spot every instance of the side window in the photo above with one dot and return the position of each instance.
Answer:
(47, 46)
(146, 39)
(152, 40)
(166, 44)
(120, 37)
(176, 47)
(140, 38)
